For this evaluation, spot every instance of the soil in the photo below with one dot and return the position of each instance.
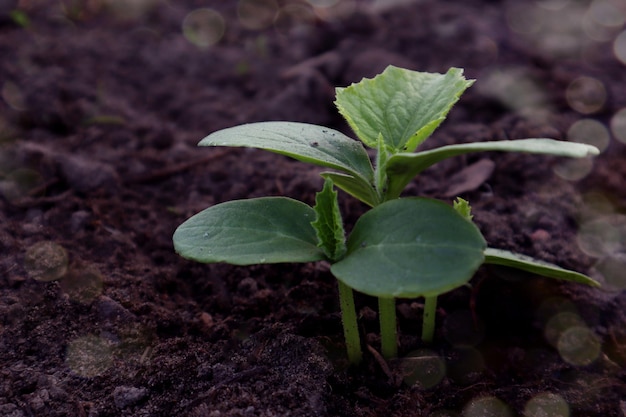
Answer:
(103, 103)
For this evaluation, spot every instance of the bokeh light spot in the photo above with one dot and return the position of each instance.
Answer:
(618, 125)
(517, 90)
(552, 306)
(586, 95)
(333, 9)
(594, 30)
(591, 132)
(546, 404)
(423, 368)
(46, 261)
(487, 407)
(292, 16)
(552, 4)
(606, 13)
(613, 270)
(20, 183)
(579, 346)
(573, 169)
(89, 356)
(602, 20)
(204, 27)
(559, 324)
(257, 14)
(595, 204)
(619, 47)
(82, 285)
(130, 9)
(522, 18)
(380, 6)
(323, 3)
(465, 365)
(602, 236)
(553, 27)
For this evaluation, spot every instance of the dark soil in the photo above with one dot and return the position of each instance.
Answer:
(99, 120)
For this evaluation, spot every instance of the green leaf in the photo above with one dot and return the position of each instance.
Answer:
(463, 208)
(410, 247)
(403, 167)
(526, 263)
(380, 175)
(247, 232)
(305, 142)
(328, 223)
(356, 187)
(404, 106)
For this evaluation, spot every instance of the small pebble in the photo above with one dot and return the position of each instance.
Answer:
(248, 286)
(78, 220)
(207, 319)
(84, 175)
(124, 397)
(540, 235)
(112, 310)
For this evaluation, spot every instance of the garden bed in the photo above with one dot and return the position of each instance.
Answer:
(101, 111)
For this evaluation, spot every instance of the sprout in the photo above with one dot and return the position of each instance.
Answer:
(401, 247)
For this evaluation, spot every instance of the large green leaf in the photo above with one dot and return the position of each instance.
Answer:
(526, 263)
(411, 247)
(247, 232)
(302, 141)
(404, 106)
(403, 167)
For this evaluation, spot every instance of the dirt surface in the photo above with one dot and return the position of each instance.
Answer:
(102, 105)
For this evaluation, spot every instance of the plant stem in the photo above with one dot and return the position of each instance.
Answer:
(350, 327)
(428, 322)
(387, 318)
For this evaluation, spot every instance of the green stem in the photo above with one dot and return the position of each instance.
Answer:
(388, 336)
(350, 327)
(428, 323)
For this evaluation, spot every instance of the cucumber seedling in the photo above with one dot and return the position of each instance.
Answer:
(402, 247)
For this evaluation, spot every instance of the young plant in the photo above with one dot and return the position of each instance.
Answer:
(402, 247)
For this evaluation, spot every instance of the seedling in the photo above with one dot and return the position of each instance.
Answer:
(402, 247)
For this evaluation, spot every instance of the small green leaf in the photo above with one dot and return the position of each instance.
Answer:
(20, 18)
(410, 247)
(404, 106)
(380, 175)
(356, 187)
(403, 167)
(463, 208)
(247, 232)
(526, 263)
(305, 142)
(328, 223)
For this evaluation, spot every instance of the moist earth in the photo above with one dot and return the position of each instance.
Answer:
(103, 103)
